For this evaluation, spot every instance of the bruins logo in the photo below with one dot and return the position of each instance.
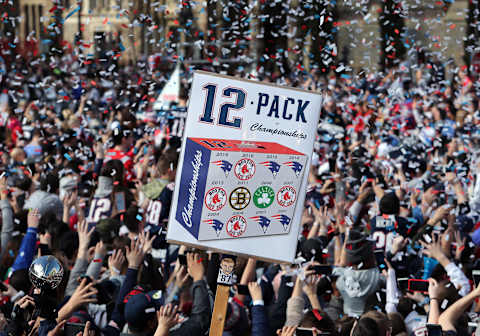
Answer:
(240, 198)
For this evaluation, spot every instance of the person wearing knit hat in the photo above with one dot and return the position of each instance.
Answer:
(358, 276)
(358, 249)
(389, 204)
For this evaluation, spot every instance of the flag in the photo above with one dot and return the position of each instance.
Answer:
(283, 219)
(263, 221)
(216, 225)
(225, 165)
(272, 166)
(296, 166)
(170, 91)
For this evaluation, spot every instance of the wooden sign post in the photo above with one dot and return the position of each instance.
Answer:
(224, 281)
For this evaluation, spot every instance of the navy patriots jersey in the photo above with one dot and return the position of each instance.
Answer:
(158, 209)
(100, 208)
(385, 227)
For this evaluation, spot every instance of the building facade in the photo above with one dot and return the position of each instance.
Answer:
(222, 29)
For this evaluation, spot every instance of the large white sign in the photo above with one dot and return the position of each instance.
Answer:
(242, 177)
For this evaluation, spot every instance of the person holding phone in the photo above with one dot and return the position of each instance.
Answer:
(455, 274)
(315, 318)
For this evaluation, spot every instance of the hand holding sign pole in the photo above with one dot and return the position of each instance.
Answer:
(224, 281)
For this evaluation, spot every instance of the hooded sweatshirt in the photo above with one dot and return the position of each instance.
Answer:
(356, 286)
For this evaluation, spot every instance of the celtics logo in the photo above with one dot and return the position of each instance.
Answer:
(239, 198)
(244, 169)
(263, 197)
(286, 196)
(216, 198)
(236, 226)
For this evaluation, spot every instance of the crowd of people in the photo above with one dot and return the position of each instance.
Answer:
(390, 227)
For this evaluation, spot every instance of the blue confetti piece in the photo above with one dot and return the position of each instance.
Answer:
(71, 13)
(67, 157)
(139, 217)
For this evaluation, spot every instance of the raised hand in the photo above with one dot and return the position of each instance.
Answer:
(86, 330)
(33, 218)
(439, 214)
(100, 249)
(24, 302)
(71, 199)
(58, 330)
(3, 188)
(115, 262)
(311, 284)
(434, 290)
(135, 254)
(84, 236)
(83, 294)
(167, 318)
(195, 266)
(434, 250)
(255, 291)
(287, 331)
(146, 241)
(181, 277)
(398, 244)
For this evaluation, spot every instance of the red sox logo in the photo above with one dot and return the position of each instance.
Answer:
(286, 196)
(244, 169)
(236, 226)
(215, 198)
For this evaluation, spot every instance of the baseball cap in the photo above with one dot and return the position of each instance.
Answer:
(139, 304)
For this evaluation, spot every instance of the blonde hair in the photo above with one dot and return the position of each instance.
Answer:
(16, 152)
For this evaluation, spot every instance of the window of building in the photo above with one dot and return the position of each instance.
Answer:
(34, 19)
(27, 20)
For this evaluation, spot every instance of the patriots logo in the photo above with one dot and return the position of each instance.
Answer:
(225, 165)
(283, 219)
(216, 225)
(263, 221)
(296, 166)
(272, 166)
